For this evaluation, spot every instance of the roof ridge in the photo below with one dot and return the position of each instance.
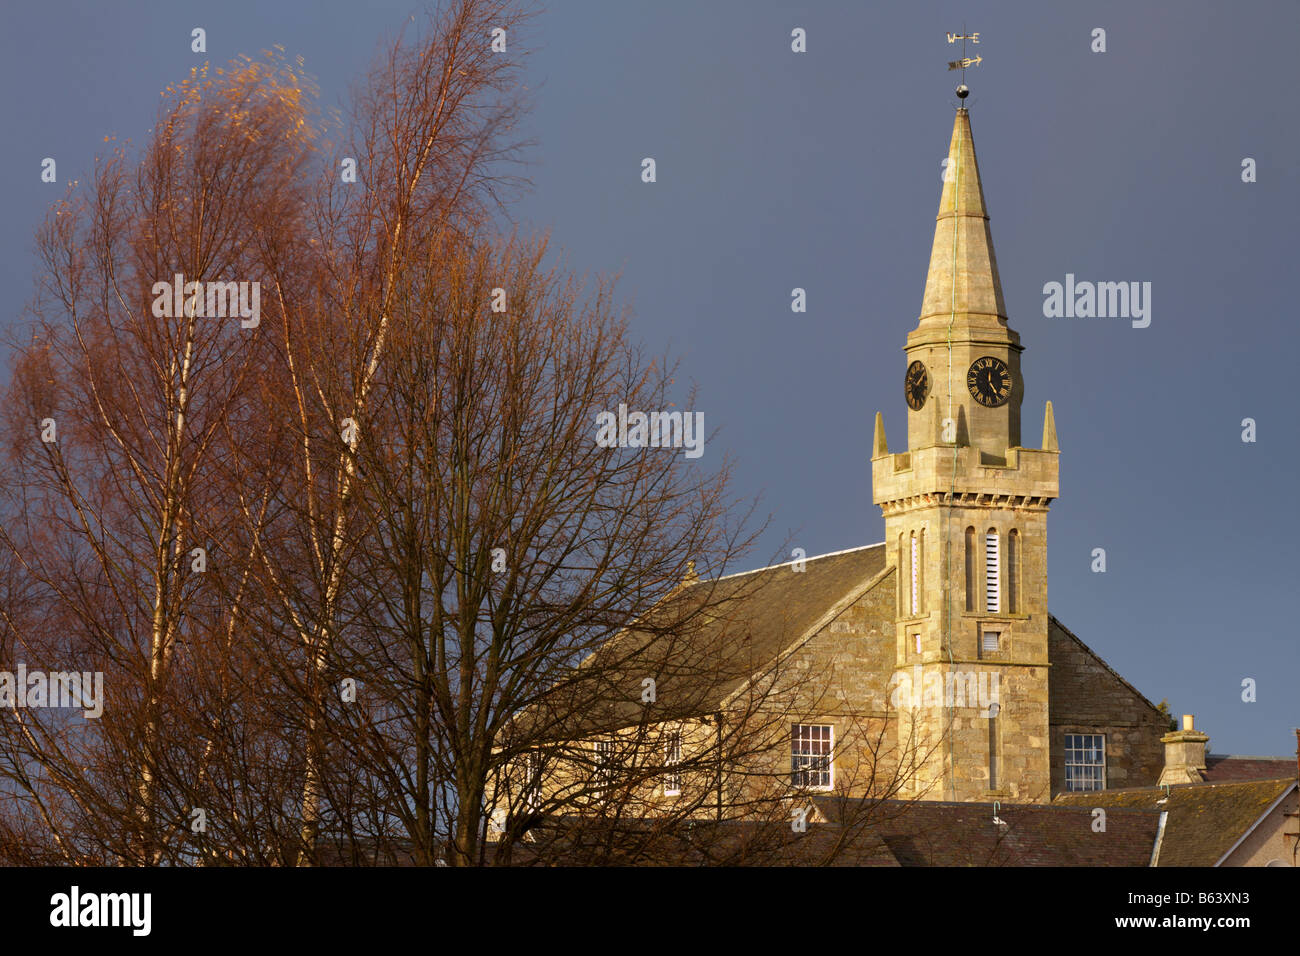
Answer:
(815, 557)
(1249, 756)
(1175, 787)
(971, 804)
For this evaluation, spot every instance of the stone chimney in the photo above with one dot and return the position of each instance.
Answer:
(1184, 754)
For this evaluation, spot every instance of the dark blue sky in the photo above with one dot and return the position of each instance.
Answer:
(822, 170)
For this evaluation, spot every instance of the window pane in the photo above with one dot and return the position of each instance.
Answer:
(1085, 761)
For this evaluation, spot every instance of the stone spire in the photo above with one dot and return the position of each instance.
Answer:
(962, 217)
(1050, 442)
(963, 321)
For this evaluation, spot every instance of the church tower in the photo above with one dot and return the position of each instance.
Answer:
(965, 508)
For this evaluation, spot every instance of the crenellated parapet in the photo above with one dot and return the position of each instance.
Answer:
(1026, 477)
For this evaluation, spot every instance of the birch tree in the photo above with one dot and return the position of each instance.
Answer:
(124, 401)
(433, 137)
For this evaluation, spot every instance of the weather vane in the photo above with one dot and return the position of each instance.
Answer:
(963, 91)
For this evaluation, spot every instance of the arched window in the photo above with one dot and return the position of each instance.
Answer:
(916, 576)
(902, 575)
(992, 573)
(1013, 572)
(920, 573)
(972, 573)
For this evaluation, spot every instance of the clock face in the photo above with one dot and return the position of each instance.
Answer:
(989, 381)
(916, 386)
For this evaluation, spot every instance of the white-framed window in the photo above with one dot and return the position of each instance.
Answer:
(992, 570)
(533, 779)
(916, 642)
(1085, 761)
(672, 757)
(811, 761)
(990, 641)
(604, 763)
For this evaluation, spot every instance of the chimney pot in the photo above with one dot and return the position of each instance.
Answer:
(1188, 722)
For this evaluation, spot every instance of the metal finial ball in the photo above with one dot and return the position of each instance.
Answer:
(963, 91)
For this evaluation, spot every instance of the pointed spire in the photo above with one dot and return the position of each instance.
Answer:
(1049, 430)
(962, 253)
(881, 446)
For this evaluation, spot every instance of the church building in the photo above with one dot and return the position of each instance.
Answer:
(926, 667)
(965, 504)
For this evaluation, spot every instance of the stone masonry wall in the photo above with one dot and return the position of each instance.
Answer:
(1087, 697)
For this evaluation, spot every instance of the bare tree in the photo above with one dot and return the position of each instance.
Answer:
(363, 577)
(499, 543)
(127, 395)
(177, 432)
(432, 132)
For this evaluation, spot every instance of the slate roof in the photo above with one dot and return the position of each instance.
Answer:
(764, 611)
(395, 852)
(1205, 819)
(854, 832)
(704, 641)
(1226, 768)
(934, 833)
(579, 841)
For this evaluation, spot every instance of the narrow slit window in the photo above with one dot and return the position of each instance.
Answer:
(993, 751)
(902, 576)
(1013, 572)
(916, 570)
(972, 573)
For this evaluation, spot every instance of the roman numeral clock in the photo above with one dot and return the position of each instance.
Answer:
(989, 381)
